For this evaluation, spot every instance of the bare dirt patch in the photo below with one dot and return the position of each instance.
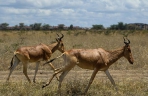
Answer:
(42, 75)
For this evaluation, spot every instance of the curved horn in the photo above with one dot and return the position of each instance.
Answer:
(128, 40)
(61, 36)
(58, 35)
(125, 40)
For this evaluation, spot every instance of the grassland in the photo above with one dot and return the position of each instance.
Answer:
(128, 85)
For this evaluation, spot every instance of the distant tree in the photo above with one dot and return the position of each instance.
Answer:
(16, 27)
(131, 27)
(61, 26)
(122, 26)
(71, 27)
(32, 26)
(36, 26)
(21, 26)
(97, 27)
(4, 26)
(119, 26)
(113, 27)
(45, 27)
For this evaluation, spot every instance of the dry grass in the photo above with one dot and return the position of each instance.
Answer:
(75, 88)
(9, 41)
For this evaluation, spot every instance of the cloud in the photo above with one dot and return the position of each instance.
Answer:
(77, 12)
(131, 4)
(7, 2)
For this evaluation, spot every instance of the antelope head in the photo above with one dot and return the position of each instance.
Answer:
(60, 43)
(127, 51)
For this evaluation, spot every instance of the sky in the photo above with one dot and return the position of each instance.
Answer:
(83, 13)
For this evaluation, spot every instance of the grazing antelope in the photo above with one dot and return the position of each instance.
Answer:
(36, 54)
(93, 59)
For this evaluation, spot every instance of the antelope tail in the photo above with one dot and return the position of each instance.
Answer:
(11, 63)
(53, 59)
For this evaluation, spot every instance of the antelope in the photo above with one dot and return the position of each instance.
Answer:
(38, 53)
(93, 59)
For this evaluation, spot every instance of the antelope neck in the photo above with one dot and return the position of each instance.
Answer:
(115, 55)
(53, 47)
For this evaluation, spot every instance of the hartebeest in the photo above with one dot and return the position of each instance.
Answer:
(93, 59)
(36, 54)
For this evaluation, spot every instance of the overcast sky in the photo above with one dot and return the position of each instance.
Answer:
(83, 13)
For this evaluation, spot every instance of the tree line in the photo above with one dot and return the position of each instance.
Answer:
(40, 26)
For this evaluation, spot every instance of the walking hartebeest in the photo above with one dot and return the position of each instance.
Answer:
(36, 54)
(93, 59)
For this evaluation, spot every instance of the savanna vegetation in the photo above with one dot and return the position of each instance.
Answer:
(131, 80)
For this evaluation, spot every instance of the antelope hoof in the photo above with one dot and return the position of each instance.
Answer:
(34, 81)
(29, 81)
